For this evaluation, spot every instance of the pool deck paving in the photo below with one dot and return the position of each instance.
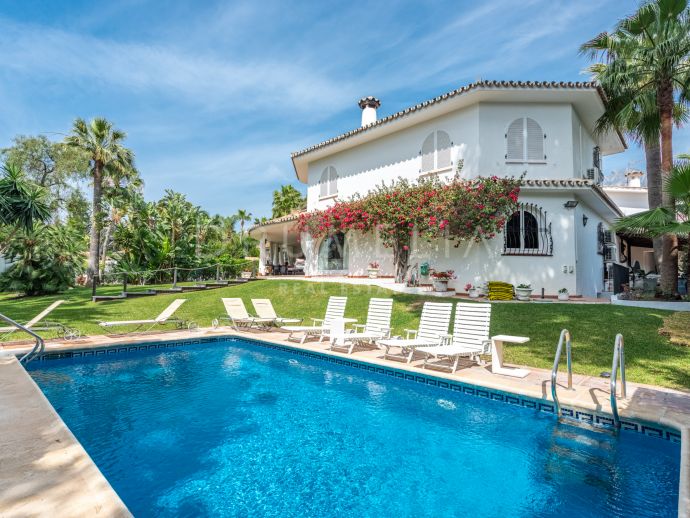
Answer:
(43, 467)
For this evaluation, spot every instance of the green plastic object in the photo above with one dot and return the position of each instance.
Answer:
(424, 269)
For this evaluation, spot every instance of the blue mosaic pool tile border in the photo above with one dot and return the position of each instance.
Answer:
(600, 420)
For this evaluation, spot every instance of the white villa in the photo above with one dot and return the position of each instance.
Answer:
(557, 239)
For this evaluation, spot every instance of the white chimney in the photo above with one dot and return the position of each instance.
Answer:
(633, 178)
(369, 105)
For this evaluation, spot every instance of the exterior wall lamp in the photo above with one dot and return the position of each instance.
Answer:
(584, 220)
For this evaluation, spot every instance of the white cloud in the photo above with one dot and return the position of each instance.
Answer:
(203, 80)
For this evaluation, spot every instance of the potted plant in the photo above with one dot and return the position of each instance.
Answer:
(472, 290)
(523, 291)
(440, 279)
(373, 270)
(563, 294)
(246, 274)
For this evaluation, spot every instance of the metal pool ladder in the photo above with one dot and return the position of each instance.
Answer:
(565, 338)
(618, 364)
(38, 347)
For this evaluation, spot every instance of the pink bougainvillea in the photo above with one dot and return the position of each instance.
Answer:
(461, 210)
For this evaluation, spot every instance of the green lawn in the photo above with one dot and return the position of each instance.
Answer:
(650, 357)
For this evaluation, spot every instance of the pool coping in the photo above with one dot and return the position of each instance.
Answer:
(675, 420)
(43, 467)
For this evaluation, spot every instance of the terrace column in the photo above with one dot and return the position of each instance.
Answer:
(262, 255)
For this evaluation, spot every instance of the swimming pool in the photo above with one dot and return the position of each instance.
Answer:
(235, 429)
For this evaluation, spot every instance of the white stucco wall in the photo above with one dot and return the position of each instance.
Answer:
(630, 200)
(478, 138)
(589, 263)
(554, 120)
(583, 147)
(480, 262)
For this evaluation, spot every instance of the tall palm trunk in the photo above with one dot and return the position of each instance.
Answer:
(95, 238)
(104, 252)
(652, 151)
(669, 248)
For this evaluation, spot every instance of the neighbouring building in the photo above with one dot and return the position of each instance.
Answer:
(558, 238)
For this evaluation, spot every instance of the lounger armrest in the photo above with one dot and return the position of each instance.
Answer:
(358, 328)
(317, 321)
(410, 333)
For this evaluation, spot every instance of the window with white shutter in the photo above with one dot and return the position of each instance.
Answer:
(428, 149)
(535, 141)
(442, 150)
(328, 183)
(435, 152)
(525, 142)
(515, 141)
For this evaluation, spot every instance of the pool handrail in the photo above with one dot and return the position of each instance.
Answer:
(564, 338)
(618, 364)
(38, 347)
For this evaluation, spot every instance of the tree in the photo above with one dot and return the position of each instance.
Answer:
(22, 203)
(638, 116)
(286, 200)
(664, 220)
(650, 50)
(116, 196)
(103, 145)
(47, 259)
(78, 212)
(460, 211)
(243, 216)
(51, 165)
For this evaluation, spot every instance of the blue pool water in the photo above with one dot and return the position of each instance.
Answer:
(236, 429)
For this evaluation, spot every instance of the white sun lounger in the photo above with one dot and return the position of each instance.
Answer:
(321, 326)
(377, 327)
(164, 318)
(470, 336)
(38, 324)
(238, 317)
(433, 329)
(264, 309)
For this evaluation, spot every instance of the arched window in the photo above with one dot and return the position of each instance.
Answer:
(328, 183)
(333, 253)
(527, 232)
(525, 141)
(436, 152)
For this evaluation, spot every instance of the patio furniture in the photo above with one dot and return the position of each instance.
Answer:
(377, 327)
(264, 309)
(470, 336)
(334, 309)
(39, 324)
(433, 327)
(238, 317)
(497, 355)
(164, 318)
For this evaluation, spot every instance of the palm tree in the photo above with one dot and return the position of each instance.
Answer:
(243, 216)
(638, 116)
(650, 50)
(22, 203)
(664, 220)
(286, 200)
(103, 144)
(117, 199)
(178, 217)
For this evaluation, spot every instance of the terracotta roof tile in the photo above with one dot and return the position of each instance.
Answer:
(586, 85)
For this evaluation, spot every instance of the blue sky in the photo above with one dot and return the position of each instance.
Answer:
(215, 95)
